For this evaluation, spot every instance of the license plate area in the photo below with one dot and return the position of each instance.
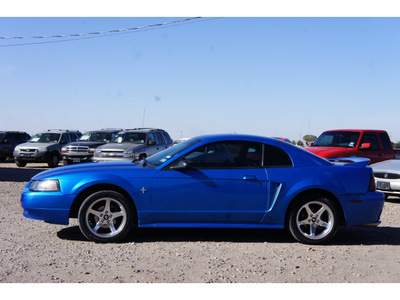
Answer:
(382, 185)
(76, 160)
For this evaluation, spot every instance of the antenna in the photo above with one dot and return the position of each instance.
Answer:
(144, 113)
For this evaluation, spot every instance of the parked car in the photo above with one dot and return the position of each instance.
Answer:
(45, 147)
(387, 177)
(83, 149)
(8, 141)
(134, 144)
(217, 181)
(372, 144)
(283, 139)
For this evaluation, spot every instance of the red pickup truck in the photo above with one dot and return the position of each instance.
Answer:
(372, 144)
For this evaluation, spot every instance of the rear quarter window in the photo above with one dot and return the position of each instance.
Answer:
(276, 157)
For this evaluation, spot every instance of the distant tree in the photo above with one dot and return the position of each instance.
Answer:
(396, 145)
(309, 138)
(294, 142)
(300, 144)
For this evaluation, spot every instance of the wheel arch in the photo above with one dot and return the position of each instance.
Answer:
(316, 191)
(97, 188)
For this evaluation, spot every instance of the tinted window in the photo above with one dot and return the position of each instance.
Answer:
(65, 138)
(276, 157)
(152, 137)
(167, 137)
(20, 138)
(387, 144)
(160, 139)
(228, 154)
(370, 138)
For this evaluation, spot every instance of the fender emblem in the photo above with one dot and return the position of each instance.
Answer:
(143, 190)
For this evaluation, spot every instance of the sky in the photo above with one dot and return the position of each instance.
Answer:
(269, 76)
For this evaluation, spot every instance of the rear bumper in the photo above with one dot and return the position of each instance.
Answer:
(364, 210)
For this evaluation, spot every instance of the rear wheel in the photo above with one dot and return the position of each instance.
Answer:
(106, 216)
(313, 220)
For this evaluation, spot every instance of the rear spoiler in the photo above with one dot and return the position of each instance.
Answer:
(352, 161)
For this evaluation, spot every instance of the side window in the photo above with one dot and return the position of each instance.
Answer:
(64, 138)
(19, 138)
(226, 155)
(370, 138)
(276, 157)
(151, 137)
(160, 138)
(10, 139)
(167, 137)
(387, 144)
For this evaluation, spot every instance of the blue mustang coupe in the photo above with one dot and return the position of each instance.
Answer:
(218, 181)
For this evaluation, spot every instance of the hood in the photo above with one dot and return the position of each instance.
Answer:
(328, 152)
(390, 166)
(117, 167)
(88, 144)
(35, 145)
(119, 147)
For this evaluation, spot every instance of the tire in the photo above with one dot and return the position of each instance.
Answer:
(3, 158)
(53, 161)
(20, 163)
(105, 217)
(313, 220)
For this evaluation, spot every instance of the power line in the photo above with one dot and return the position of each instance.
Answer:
(97, 33)
(91, 35)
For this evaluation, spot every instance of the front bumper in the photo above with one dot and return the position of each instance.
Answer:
(51, 207)
(113, 158)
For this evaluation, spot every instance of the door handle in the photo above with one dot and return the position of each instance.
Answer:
(250, 177)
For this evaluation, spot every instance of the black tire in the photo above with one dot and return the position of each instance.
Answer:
(53, 160)
(314, 219)
(106, 216)
(142, 156)
(20, 163)
(3, 158)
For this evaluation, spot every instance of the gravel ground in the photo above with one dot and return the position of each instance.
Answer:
(36, 252)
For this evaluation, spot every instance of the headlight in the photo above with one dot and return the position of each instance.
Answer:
(48, 185)
(42, 149)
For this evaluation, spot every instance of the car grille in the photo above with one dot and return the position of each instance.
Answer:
(78, 149)
(386, 175)
(27, 150)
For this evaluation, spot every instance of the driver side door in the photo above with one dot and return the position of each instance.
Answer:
(225, 184)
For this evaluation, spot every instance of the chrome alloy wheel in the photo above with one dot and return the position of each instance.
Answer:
(106, 217)
(315, 220)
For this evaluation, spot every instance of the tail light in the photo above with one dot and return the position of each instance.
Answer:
(371, 186)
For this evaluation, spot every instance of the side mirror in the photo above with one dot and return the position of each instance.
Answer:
(183, 164)
(152, 142)
(365, 146)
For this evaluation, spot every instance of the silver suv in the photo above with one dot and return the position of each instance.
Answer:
(45, 147)
(134, 144)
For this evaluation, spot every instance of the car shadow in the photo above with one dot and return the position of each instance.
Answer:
(344, 236)
(18, 175)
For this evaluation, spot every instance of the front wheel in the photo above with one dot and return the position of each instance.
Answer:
(106, 216)
(20, 163)
(313, 220)
(53, 161)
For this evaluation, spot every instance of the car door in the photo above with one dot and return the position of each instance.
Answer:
(224, 184)
(374, 153)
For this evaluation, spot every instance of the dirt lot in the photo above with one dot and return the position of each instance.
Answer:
(34, 251)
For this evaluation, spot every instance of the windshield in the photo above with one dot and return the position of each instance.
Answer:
(165, 155)
(45, 138)
(94, 137)
(346, 139)
(130, 137)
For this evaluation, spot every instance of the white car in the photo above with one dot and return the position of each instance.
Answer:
(387, 177)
